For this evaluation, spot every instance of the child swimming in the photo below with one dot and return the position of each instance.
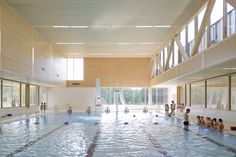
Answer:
(202, 120)
(220, 125)
(198, 120)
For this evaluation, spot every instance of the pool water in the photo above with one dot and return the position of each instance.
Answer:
(102, 135)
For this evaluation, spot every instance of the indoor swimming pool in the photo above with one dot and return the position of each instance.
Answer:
(106, 134)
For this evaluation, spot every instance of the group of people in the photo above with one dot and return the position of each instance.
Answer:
(170, 111)
(212, 123)
(208, 122)
(43, 106)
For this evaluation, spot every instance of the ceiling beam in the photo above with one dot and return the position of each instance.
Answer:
(153, 72)
(231, 2)
(181, 48)
(169, 51)
(182, 22)
(159, 63)
(202, 29)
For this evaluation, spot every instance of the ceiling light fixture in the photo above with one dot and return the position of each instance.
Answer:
(229, 68)
(143, 43)
(76, 43)
(61, 26)
(143, 26)
(162, 26)
(123, 43)
(156, 26)
(105, 54)
(70, 43)
(78, 26)
(147, 43)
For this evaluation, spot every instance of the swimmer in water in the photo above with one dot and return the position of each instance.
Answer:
(186, 119)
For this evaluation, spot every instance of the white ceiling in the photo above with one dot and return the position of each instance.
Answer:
(111, 24)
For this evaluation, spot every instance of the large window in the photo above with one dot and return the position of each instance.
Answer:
(0, 94)
(130, 96)
(33, 95)
(231, 20)
(147, 96)
(187, 95)
(162, 96)
(183, 37)
(43, 94)
(213, 31)
(198, 94)
(154, 96)
(106, 95)
(23, 95)
(11, 94)
(216, 22)
(233, 92)
(217, 93)
(191, 27)
(176, 54)
(165, 55)
(14, 94)
(203, 44)
(75, 69)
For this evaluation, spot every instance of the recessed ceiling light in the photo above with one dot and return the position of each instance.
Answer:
(61, 43)
(78, 26)
(146, 43)
(61, 26)
(143, 43)
(76, 43)
(156, 26)
(143, 26)
(105, 54)
(123, 43)
(229, 68)
(70, 43)
(162, 26)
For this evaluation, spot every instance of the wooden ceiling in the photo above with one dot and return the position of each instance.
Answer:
(105, 28)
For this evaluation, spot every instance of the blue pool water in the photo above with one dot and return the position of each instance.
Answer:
(107, 135)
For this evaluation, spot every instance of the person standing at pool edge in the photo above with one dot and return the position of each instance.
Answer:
(44, 107)
(186, 119)
(172, 107)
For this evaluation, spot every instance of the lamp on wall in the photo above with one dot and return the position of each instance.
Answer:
(43, 69)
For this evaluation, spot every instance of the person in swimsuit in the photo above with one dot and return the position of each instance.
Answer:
(186, 119)
(220, 125)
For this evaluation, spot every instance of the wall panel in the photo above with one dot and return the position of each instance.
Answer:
(42, 57)
(129, 72)
(25, 53)
(16, 42)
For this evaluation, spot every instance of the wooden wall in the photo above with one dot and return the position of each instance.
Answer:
(128, 72)
(25, 52)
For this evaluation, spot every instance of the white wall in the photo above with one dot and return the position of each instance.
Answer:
(228, 116)
(77, 98)
(172, 94)
(19, 111)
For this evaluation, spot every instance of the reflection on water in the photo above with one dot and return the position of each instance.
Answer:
(144, 134)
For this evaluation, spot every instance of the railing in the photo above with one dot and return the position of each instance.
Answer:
(216, 36)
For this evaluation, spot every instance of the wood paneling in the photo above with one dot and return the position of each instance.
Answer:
(42, 57)
(58, 66)
(18, 42)
(129, 72)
